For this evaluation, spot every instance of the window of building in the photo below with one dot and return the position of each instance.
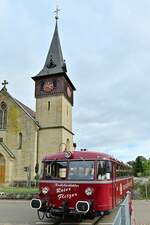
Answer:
(3, 115)
(68, 144)
(49, 105)
(20, 140)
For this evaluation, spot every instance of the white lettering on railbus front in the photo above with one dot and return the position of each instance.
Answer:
(66, 196)
(64, 191)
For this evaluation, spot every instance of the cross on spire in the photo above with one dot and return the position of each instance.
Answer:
(56, 12)
(4, 84)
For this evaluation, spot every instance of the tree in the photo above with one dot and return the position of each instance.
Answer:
(139, 166)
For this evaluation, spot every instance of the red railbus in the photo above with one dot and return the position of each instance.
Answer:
(81, 182)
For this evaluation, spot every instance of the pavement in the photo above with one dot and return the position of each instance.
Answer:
(141, 212)
(19, 213)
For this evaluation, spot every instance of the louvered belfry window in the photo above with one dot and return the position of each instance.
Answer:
(3, 115)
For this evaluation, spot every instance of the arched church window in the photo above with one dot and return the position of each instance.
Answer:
(20, 140)
(3, 115)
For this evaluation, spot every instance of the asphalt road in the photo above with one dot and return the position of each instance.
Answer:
(17, 213)
(141, 212)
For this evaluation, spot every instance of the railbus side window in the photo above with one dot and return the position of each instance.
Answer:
(122, 171)
(55, 170)
(118, 170)
(104, 170)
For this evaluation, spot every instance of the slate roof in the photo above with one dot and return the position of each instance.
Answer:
(54, 63)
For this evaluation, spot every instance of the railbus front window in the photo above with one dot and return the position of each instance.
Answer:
(104, 170)
(55, 170)
(81, 170)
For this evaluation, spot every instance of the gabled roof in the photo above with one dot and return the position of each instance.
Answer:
(25, 108)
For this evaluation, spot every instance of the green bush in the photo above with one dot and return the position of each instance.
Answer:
(19, 190)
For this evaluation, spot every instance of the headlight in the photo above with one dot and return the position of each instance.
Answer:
(88, 191)
(45, 190)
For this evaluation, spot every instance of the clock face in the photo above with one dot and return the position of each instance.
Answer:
(69, 93)
(48, 86)
(52, 86)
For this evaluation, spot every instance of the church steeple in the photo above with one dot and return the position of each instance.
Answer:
(54, 93)
(54, 63)
(53, 78)
(55, 56)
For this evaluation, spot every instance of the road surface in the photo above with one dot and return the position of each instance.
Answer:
(141, 212)
(14, 212)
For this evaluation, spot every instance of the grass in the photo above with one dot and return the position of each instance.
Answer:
(18, 190)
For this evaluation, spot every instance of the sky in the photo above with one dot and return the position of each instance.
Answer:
(106, 45)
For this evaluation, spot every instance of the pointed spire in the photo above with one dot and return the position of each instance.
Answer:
(55, 56)
(54, 63)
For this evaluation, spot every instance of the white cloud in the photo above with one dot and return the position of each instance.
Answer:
(107, 49)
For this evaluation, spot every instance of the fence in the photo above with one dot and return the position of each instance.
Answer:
(123, 216)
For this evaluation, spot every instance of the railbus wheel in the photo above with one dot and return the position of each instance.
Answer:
(48, 215)
(41, 214)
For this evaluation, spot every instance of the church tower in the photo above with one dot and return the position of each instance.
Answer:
(54, 101)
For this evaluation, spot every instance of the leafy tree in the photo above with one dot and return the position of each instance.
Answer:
(141, 166)
(147, 167)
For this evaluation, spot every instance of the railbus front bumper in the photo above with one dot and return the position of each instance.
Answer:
(81, 208)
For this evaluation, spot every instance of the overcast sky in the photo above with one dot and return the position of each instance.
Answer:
(106, 44)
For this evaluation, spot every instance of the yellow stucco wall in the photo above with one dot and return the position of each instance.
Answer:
(52, 134)
(52, 117)
(59, 114)
(66, 113)
(18, 121)
(55, 128)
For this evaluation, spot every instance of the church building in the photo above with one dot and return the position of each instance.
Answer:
(27, 136)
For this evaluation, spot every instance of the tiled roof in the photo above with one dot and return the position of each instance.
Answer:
(26, 108)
